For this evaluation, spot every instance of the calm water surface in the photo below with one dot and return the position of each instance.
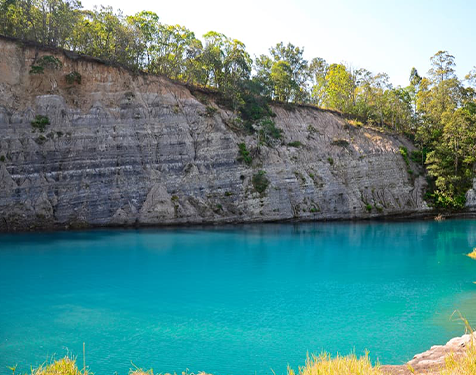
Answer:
(234, 300)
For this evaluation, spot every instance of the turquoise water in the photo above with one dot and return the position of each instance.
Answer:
(234, 300)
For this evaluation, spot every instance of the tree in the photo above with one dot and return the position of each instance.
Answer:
(317, 69)
(170, 50)
(147, 23)
(49, 22)
(283, 82)
(284, 73)
(442, 66)
(339, 89)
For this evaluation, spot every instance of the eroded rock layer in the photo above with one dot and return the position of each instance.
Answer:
(133, 149)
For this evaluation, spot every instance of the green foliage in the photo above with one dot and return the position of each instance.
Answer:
(49, 61)
(210, 111)
(73, 77)
(340, 142)
(2, 158)
(45, 62)
(260, 182)
(404, 153)
(268, 132)
(295, 144)
(339, 88)
(35, 69)
(437, 111)
(330, 160)
(40, 122)
(253, 107)
(244, 155)
(418, 156)
(283, 73)
(368, 207)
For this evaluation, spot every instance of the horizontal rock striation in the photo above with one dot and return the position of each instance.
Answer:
(133, 149)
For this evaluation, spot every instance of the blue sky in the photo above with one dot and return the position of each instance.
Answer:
(382, 36)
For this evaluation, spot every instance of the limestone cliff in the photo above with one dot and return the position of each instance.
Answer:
(123, 148)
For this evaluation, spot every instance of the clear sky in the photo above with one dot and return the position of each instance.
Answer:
(388, 36)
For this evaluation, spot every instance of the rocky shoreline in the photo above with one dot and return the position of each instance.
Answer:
(432, 360)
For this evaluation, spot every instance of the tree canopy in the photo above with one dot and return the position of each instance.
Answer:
(437, 111)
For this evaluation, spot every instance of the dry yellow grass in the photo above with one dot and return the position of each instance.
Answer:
(465, 365)
(472, 254)
(63, 366)
(324, 364)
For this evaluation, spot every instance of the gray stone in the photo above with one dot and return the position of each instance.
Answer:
(125, 149)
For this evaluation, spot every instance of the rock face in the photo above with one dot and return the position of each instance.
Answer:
(431, 361)
(124, 149)
(471, 196)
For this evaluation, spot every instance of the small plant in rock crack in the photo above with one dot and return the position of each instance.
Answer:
(40, 123)
(260, 182)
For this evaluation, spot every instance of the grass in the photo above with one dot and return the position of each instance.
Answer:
(465, 365)
(324, 364)
(472, 254)
(63, 366)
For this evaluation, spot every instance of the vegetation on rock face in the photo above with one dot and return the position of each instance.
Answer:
(45, 62)
(244, 155)
(404, 153)
(340, 142)
(268, 133)
(438, 112)
(295, 144)
(73, 77)
(40, 123)
(260, 182)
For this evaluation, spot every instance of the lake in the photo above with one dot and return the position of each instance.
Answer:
(234, 299)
